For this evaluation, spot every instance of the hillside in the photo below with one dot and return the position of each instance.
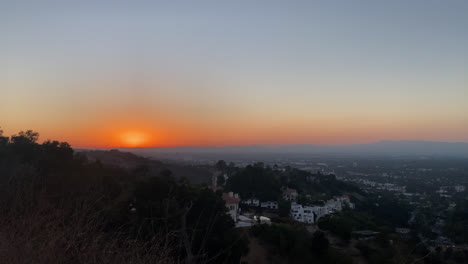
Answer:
(130, 161)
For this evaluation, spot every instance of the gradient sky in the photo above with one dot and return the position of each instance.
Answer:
(172, 73)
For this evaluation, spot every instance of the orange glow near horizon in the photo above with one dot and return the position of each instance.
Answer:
(135, 129)
(134, 139)
(137, 133)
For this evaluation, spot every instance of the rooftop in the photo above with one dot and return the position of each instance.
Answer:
(231, 198)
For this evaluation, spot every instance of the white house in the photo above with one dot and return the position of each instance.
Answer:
(338, 203)
(333, 205)
(290, 194)
(232, 203)
(344, 200)
(320, 211)
(310, 214)
(269, 204)
(307, 214)
(251, 202)
(297, 212)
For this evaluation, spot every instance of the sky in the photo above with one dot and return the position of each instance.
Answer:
(103, 74)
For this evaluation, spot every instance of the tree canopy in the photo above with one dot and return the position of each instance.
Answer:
(129, 211)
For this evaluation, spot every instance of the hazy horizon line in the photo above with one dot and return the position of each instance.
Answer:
(277, 145)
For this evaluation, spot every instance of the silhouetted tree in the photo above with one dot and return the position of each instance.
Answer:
(3, 140)
(255, 181)
(200, 215)
(284, 208)
(220, 180)
(24, 146)
(106, 207)
(221, 165)
(27, 137)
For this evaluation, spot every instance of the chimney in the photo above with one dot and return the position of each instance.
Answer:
(231, 194)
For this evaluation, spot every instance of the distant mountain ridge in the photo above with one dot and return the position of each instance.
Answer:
(386, 147)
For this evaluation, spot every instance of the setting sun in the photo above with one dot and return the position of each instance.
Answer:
(134, 139)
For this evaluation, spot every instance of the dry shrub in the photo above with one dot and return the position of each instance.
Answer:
(36, 229)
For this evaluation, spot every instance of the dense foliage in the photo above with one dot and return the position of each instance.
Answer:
(265, 183)
(457, 225)
(256, 181)
(294, 244)
(58, 207)
(386, 210)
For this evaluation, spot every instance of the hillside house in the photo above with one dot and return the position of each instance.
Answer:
(251, 202)
(232, 203)
(338, 203)
(290, 194)
(310, 214)
(307, 214)
(269, 205)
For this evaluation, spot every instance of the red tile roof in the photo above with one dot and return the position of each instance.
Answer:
(229, 199)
